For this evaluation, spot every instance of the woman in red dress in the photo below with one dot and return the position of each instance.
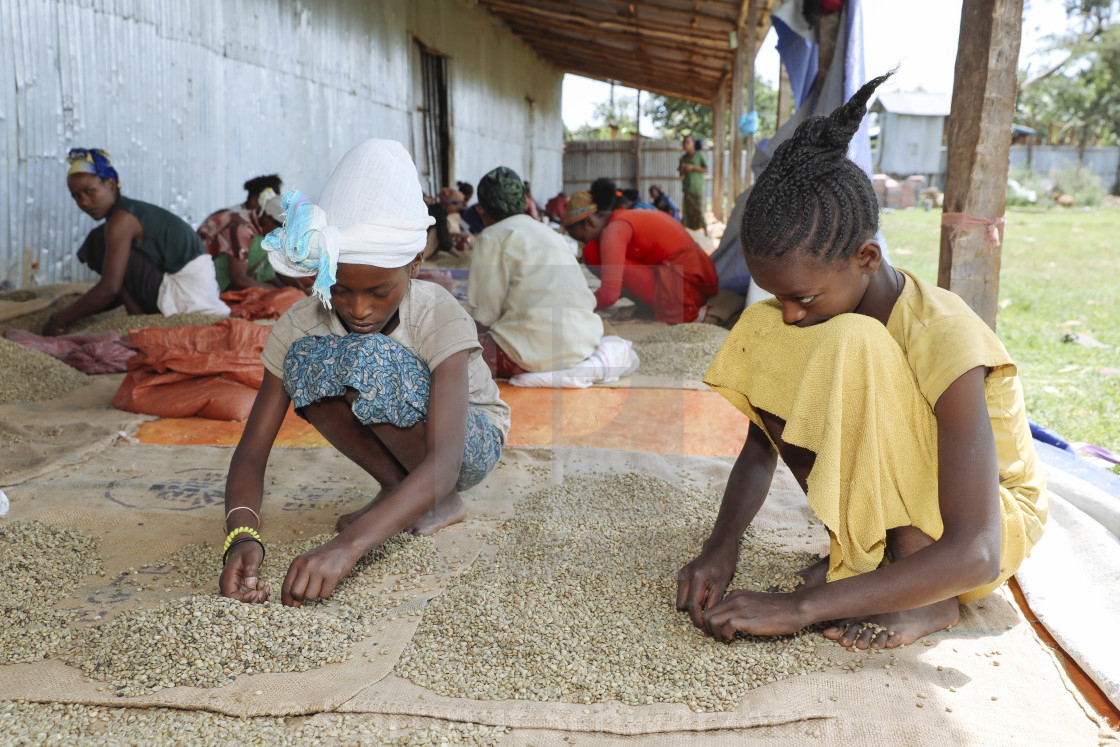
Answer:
(646, 255)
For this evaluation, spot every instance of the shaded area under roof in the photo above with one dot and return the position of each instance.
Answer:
(678, 48)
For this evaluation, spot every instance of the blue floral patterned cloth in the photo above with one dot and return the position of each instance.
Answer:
(393, 386)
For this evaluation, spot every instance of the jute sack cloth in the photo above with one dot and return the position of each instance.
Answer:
(1007, 686)
(40, 437)
(43, 297)
(144, 502)
(635, 330)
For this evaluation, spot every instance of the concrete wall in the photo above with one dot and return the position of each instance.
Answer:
(192, 98)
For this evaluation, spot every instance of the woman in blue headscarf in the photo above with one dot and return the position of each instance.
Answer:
(150, 261)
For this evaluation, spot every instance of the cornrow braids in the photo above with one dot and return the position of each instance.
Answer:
(811, 197)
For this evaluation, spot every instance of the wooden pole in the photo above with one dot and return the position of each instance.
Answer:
(785, 95)
(751, 29)
(737, 71)
(638, 148)
(719, 150)
(979, 148)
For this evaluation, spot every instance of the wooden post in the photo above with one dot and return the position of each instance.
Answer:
(785, 96)
(751, 29)
(979, 148)
(638, 148)
(719, 148)
(736, 157)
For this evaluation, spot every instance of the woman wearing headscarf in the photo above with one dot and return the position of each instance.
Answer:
(646, 255)
(663, 202)
(150, 260)
(232, 236)
(386, 367)
(526, 291)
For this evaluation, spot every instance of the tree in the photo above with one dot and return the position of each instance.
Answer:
(616, 119)
(675, 118)
(1077, 100)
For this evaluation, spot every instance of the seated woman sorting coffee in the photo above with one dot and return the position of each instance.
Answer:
(526, 292)
(646, 255)
(150, 261)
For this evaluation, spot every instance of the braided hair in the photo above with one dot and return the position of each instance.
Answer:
(812, 198)
(605, 193)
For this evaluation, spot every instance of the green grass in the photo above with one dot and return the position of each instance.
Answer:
(1060, 274)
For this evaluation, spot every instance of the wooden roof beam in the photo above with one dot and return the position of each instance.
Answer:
(510, 11)
(637, 76)
(717, 17)
(671, 59)
(608, 75)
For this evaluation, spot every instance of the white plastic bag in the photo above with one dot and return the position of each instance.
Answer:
(613, 359)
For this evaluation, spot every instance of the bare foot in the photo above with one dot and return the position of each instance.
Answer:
(894, 629)
(447, 511)
(814, 575)
(347, 519)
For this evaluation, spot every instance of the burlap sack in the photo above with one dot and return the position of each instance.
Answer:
(145, 501)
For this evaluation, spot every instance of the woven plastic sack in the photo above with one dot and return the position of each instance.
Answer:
(212, 371)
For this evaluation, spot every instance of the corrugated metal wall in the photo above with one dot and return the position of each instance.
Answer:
(193, 97)
(1056, 158)
(909, 144)
(586, 161)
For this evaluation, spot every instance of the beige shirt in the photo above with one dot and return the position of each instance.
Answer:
(943, 339)
(527, 287)
(433, 327)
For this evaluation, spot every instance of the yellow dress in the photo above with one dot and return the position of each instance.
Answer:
(860, 396)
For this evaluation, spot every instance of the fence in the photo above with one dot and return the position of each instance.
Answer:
(1045, 159)
(632, 164)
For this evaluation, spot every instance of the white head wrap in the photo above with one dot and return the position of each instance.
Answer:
(271, 205)
(371, 212)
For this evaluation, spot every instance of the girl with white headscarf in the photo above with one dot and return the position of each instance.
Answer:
(386, 367)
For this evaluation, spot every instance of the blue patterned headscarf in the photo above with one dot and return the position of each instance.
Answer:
(91, 161)
(300, 248)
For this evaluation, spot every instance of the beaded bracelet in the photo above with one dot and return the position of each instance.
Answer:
(240, 530)
(235, 543)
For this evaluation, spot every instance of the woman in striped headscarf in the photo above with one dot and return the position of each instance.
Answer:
(150, 261)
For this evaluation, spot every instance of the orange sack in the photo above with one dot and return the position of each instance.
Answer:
(212, 371)
(261, 303)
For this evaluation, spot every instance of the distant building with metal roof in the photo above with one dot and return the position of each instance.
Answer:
(912, 128)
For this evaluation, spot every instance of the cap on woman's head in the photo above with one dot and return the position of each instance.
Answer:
(91, 161)
(502, 193)
(371, 212)
(580, 206)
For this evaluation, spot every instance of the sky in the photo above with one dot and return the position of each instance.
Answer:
(921, 36)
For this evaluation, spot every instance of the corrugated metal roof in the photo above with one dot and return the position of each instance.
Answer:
(916, 103)
(678, 48)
